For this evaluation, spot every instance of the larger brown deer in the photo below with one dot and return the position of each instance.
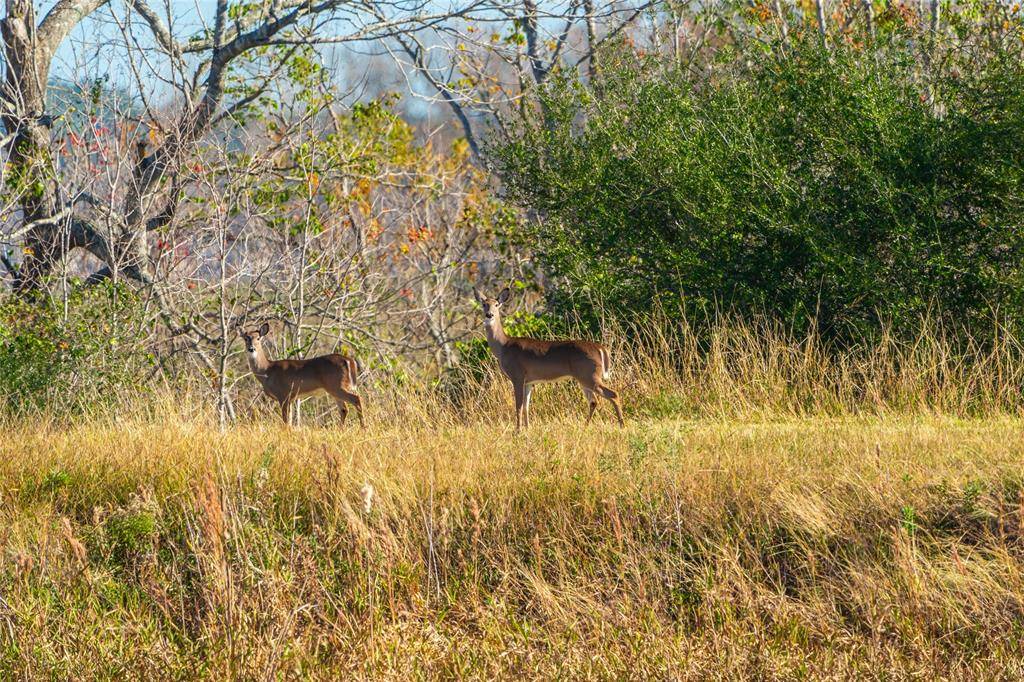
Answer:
(286, 380)
(528, 361)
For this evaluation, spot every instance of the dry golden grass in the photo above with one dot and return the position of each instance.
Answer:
(827, 547)
(768, 512)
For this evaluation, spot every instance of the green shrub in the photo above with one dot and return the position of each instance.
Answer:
(68, 361)
(55, 480)
(835, 186)
(130, 534)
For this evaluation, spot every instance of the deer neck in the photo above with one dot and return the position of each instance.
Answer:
(496, 337)
(259, 363)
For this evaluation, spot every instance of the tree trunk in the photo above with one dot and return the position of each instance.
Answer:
(819, 10)
(23, 101)
(933, 19)
(28, 50)
(869, 17)
(592, 63)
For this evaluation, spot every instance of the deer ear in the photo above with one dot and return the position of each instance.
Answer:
(265, 329)
(479, 298)
(504, 295)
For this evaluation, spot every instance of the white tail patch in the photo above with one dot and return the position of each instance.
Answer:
(606, 362)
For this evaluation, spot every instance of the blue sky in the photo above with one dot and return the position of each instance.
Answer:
(95, 51)
(187, 16)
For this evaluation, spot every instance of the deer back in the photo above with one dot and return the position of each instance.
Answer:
(542, 360)
(296, 377)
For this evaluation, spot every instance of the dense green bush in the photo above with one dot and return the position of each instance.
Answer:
(828, 185)
(69, 360)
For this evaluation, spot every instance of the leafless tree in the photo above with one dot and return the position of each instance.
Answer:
(197, 68)
(480, 68)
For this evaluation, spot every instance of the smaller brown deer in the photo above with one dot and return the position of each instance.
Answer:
(286, 380)
(528, 361)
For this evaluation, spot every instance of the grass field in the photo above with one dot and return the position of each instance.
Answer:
(878, 547)
(770, 511)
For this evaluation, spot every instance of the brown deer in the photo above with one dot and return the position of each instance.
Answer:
(286, 380)
(528, 361)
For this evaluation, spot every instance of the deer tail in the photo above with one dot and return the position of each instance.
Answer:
(606, 364)
(353, 370)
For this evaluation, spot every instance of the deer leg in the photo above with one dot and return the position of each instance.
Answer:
(286, 409)
(527, 391)
(592, 399)
(613, 397)
(519, 390)
(356, 402)
(345, 398)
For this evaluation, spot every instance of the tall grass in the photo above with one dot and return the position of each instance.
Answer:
(720, 368)
(762, 369)
(771, 510)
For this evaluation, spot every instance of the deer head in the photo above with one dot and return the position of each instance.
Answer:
(254, 339)
(492, 307)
